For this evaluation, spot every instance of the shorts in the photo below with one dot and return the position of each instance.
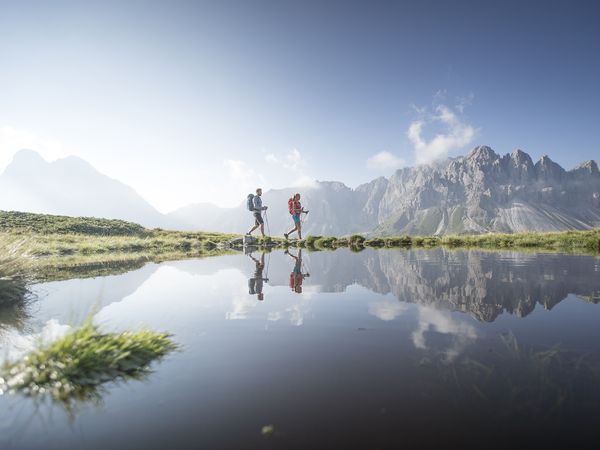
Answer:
(258, 220)
(296, 218)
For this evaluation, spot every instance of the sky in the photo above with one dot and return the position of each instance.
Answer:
(201, 101)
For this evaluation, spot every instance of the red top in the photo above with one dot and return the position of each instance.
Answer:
(294, 206)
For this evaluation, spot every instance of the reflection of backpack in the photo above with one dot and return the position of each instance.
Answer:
(251, 286)
(250, 202)
(291, 205)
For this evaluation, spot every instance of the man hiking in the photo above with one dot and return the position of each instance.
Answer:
(255, 284)
(295, 209)
(257, 209)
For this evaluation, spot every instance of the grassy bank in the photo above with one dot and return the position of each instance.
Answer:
(567, 241)
(97, 241)
(49, 235)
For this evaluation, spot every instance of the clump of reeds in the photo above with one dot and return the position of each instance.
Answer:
(14, 280)
(74, 366)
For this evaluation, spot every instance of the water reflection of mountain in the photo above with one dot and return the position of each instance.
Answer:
(484, 284)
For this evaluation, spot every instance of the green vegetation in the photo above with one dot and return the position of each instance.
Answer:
(47, 235)
(565, 241)
(14, 292)
(50, 224)
(73, 367)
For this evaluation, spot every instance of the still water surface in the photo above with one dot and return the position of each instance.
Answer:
(378, 349)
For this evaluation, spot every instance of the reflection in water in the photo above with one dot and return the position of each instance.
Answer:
(14, 301)
(483, 284)
(255, 283)
(383, 349)
(298, 273)
(441, 322)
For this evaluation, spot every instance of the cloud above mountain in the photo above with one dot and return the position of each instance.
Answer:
(384, 161)
(453, 133)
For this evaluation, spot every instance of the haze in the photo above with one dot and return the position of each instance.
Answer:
(193, 102)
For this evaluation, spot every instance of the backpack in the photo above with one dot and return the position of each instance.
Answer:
(291, 205)
(250, 202)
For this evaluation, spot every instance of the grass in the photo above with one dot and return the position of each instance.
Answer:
(44, 238)
(52, 224)
(565, 241)
(73, 367)
(48, 235)
(14, 291)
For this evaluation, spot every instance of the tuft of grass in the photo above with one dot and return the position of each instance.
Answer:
(75, 366)
(14, 280)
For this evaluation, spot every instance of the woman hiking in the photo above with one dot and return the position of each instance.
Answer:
(295, 209)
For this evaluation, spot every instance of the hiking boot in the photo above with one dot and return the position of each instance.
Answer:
(285, 235)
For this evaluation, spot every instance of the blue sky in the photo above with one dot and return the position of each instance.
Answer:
(201, 101)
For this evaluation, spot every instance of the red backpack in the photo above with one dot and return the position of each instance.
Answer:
(291, 205)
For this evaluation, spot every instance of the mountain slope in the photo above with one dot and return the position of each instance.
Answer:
(71, 187)
(485, 192)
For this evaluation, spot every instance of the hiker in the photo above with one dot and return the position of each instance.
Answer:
(297, 277)
(295, 209)
(255, 205)
(255, 284)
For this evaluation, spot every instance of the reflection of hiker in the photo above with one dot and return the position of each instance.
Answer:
(255, 205)
(296, 277)
(255, 284)
(295, 209)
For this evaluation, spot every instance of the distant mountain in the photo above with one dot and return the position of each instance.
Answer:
(477, 193)
(485, 192)
(72, 187)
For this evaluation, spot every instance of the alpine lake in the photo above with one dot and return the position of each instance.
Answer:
(390, 348)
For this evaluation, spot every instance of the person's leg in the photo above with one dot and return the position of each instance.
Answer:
(252, 229)
(258, 223)
(299, 226)
(291, 231)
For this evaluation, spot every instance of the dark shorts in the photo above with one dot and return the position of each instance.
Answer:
(258, 220)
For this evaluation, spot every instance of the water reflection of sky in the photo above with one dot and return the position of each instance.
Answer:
(362, 322)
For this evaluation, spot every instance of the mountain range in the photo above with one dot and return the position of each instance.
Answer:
(477, 193)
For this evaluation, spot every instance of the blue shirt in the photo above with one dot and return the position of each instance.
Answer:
(257, 201)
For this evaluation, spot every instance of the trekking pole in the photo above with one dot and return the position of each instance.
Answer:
(267, 223)
(267, 271)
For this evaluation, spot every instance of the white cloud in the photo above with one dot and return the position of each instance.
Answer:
(292, 160)
(13, 139)
(463, 102)
(289, 165)
(431, 319)
(304, 181)
(387, 309)
(385, 161)
(456, 134)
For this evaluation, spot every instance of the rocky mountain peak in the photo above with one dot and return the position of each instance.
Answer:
(519, 157)
(547, 169)
(587, 167)
(482, 153)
